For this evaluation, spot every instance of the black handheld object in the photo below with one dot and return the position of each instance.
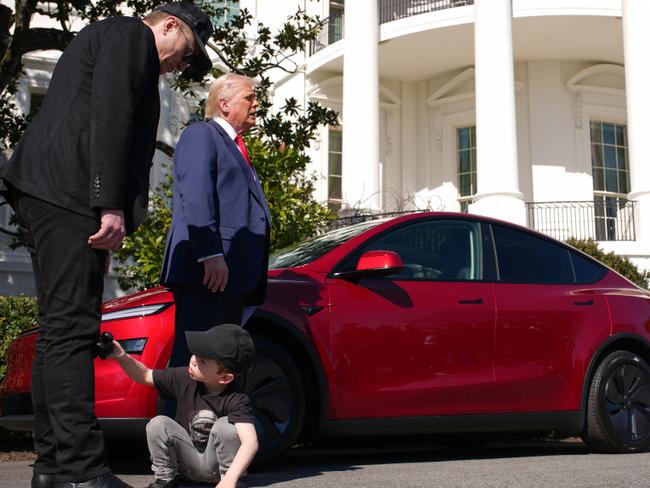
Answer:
(105, 345)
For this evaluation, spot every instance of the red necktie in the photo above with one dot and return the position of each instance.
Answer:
(239, 140)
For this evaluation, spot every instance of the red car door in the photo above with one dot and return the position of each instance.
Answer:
(548, 324)
(419, 343)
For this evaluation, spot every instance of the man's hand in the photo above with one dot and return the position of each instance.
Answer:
(216, 273)
(111, 232)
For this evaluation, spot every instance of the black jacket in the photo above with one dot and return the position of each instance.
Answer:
(91, 145)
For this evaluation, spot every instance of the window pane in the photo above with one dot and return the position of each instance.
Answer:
(622, 160)
(595, 133)
(611, 180)
(610, 156)
(465, 185)
(220, 11)
(464, 165)
(599, 181)
(609, 135)
(334, 188)
(524, 258)
(620, 135)
(623, 182)
(596, 155)
(336, 141)
(335, 164)
(463, 138)
(599, 206)
(586, 270)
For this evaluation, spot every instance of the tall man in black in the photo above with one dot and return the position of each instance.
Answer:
(78, 182)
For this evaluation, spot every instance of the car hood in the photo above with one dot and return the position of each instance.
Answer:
(152, 296)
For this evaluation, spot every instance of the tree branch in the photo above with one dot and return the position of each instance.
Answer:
(165, 148)
(38, 38)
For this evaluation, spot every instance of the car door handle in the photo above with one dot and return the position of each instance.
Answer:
(586, 302)
(476, 301)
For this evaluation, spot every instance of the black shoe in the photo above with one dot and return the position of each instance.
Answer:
(172, 483)
(108, 480)
(42, 480)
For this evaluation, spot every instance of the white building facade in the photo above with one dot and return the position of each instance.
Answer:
(532, 111)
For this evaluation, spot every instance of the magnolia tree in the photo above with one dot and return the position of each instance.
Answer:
(276, 147)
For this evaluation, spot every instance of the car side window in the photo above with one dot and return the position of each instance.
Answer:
(587, 271)
(441, 250)
(525, 258)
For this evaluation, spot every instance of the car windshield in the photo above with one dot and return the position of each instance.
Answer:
(311, 249)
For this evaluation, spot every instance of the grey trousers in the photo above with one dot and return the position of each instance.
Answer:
(172, 450)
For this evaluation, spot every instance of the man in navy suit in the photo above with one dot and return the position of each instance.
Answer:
(216, 254)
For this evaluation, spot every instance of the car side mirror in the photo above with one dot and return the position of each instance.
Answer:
(374, 264)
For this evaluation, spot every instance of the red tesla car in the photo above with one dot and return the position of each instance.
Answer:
(425, 323)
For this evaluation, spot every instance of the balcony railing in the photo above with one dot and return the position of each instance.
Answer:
(332, 31)
(611, 219)
(389, 10)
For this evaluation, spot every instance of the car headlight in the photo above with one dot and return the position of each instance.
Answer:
(133, 346)
(128, 313)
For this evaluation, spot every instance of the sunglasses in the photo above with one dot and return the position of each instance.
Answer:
(189, 52)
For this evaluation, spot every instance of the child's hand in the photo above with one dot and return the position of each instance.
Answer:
(117, 352)
(224, 483)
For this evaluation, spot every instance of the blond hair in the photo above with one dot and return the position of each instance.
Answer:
(224, 88)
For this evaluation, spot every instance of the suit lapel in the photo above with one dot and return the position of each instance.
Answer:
(249, 171)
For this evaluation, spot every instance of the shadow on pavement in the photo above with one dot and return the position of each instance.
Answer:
(311, 461)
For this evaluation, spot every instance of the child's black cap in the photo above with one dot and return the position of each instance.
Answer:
(227, 343)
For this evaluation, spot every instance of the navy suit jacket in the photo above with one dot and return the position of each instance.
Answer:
(218, 207)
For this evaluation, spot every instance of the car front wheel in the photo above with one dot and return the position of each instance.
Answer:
(277, 394)
(618, 408)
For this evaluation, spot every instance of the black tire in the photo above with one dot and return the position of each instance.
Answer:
(277, 393)
(618, 408)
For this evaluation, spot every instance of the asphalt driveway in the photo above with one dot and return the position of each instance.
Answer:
(388, 463)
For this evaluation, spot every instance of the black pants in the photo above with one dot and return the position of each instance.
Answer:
(199, 309)
(69, 284)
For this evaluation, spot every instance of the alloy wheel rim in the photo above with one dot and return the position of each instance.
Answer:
(627, 399)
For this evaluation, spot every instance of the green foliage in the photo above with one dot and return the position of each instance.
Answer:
(12, 124)
(288, 191)
(620, 264)
(141, 254)
(17, 314)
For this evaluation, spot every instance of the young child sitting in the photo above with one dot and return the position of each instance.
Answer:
(213, 438)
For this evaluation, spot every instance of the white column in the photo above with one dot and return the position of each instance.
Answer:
(496, 132)
(636, 38)
(361, 105)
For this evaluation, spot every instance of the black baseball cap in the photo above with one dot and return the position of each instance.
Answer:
(227, 343)
(201, 27)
